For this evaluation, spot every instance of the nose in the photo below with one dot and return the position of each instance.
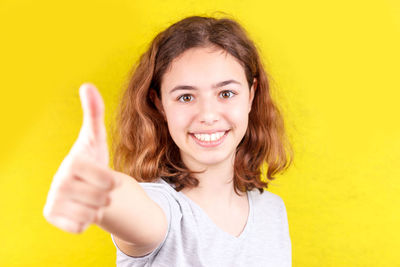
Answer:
(208, 112)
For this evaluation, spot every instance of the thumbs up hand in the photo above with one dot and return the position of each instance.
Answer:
(92, 137)
(82, 185)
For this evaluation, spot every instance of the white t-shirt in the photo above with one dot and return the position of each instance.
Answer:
(193, 239)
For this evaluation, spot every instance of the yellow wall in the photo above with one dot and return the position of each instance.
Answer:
(335, 69)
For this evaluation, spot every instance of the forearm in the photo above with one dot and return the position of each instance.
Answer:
(132, 215)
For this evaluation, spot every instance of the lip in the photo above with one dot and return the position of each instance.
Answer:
(210, 143)
(209, 131)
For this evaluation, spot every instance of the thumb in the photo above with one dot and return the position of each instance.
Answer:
(93, 112)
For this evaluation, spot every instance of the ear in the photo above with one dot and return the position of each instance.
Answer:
(252, 93)
(157, 102)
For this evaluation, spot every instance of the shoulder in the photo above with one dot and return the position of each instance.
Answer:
(159, 183)
(270, 211)
(164, 195)
(266, 197)
(267, 202)
(159, 187)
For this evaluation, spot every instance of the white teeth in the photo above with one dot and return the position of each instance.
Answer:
(214, 137)
(209, 137)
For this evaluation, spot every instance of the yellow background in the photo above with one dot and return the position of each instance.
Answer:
(335, 69)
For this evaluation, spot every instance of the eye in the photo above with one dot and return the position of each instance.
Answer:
(185, 98)
(227, 94)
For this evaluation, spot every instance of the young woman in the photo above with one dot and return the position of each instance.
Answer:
(195, 125)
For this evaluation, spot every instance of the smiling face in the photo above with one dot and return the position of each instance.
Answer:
(206, 102)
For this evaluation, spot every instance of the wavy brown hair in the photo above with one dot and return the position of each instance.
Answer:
(142, 145)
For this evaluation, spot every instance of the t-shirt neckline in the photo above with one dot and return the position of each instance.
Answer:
(245, 231)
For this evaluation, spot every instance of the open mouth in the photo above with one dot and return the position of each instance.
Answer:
(209, 140)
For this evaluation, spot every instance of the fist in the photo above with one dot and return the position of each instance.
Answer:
(82, 185)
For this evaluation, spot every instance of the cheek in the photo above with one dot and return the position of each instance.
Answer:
(239, 115)
(178, 121)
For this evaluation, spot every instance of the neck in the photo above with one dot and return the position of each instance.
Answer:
(216, 187)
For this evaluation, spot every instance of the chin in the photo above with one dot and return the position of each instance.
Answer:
(208, 160)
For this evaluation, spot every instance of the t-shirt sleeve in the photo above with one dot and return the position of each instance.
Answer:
(158, 193)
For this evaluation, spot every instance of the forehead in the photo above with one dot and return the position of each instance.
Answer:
(202, 67)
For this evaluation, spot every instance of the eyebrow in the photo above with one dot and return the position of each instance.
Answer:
(189, 87)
